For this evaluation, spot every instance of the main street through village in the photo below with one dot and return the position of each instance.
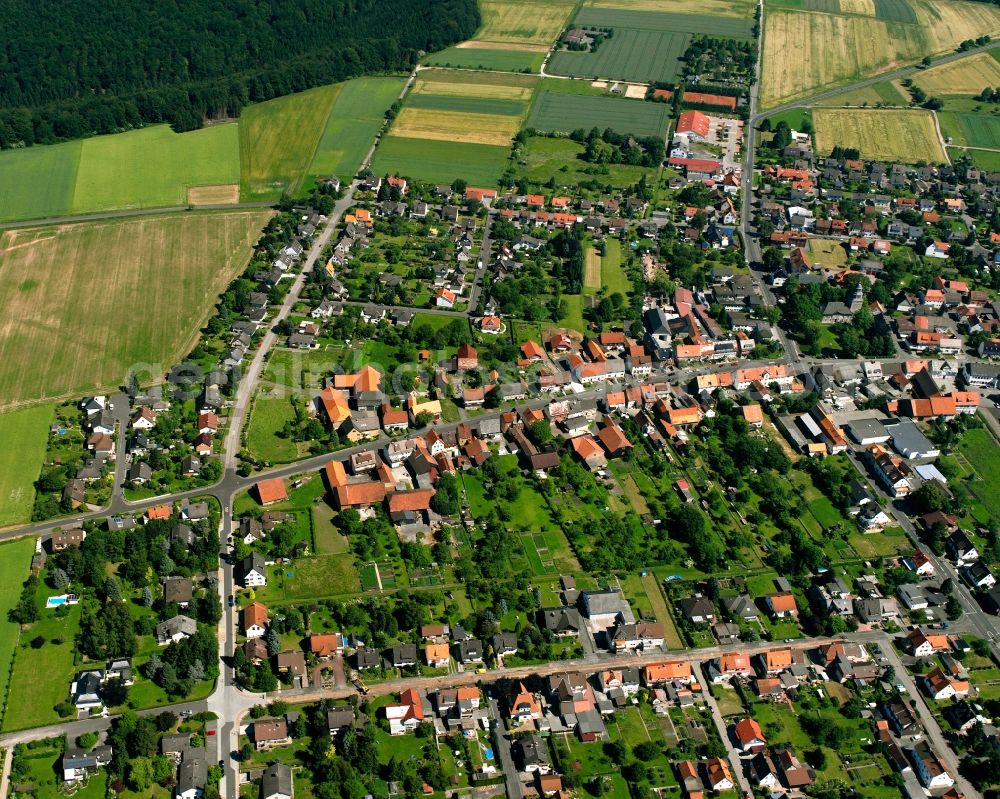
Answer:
(231, 703)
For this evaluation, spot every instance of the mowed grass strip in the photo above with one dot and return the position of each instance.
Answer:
(505, 60)
(15, 560)
(468, 105)
(38, 181)
(965, 76)
(664, 21)
(723, 8)
(634, 55)
(536, 22)
(357, 115)
(153, 167)
(93, 299)
(451, 126)
(440, 161)
(23, 437)
(279, 139)
(901, 135)
(566, 112)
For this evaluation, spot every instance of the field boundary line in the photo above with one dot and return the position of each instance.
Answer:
(937, 127)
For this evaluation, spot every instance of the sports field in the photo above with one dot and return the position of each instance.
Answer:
(566, 112)
(23, 437)
(358, 113)
(895, 134)
(84, 302)
(635, 55)
(440, 161)
(965, 76)
(970, 129)
(805, 53)
(280, 138)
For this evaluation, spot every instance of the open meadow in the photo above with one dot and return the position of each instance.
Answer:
(566, 112)
(970, 129)
(153, 167)
(24, 434)
(84, 302)
(440, 161)
(15, 562)
(894, 134)
(358, 113)
(805, 53)
(967, 76)
(542, 159)
(280, 138)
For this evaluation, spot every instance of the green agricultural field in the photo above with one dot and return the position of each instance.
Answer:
(37, 698)
(153, 167)
(483, 58)
(280, 138)
(468, 104)
(617, 18)
(566, 112)
(38, 181)
(23, 437)
(970, 129)
(439, 161)
(357, 115)
(895, 11)
(884, 93)
(15, 560)
(642, 56)
(542, 159)
(984, 159)
(105, 296)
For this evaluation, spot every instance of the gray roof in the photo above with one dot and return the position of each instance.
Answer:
(277, 780)
(869, 427)
(166, 630)
(193, 772)
(602, 603)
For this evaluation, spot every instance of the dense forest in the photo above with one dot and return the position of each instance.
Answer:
(100, 66)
